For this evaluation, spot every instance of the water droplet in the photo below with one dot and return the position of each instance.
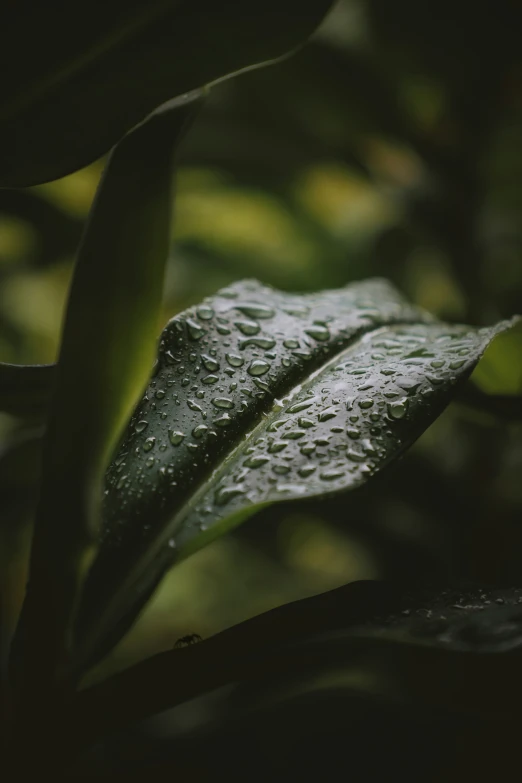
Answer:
(365, 404)
(291, 343)
(294, 434)
(234, 359)
(328, 413)
(281, 470)
(368, 447)
(248, 327)
(205, 312)
(274, 426)
(303, 422)
(141, 425)
(160, 394)
(353, 433)
(149, 444)
(255, 310)
(349, 403)
(195, 407)
(175, 437)
(261, 385)
(259, 342)
(437, 363)
(307, 448)
(307, 470)
(256, 462)
(298, 310)
(228, 293)
(195, 331)
(200, 430)
(258, 367)
(331, 475)
(210, 379)
(223, 421)
(210, 363)
(318, 332)
(225, 494)
(150, 462)
(171, 543)
(355, 456)
(398, 410)
(222, 402)
(277, 446)
(456, 364)
(301, 406)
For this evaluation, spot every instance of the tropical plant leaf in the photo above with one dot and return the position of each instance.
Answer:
(110, 69)
(114, 301)
(260, 397)
(25, 390)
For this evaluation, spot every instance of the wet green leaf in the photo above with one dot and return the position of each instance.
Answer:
(260, 397)
(25, 390)
(98, 74)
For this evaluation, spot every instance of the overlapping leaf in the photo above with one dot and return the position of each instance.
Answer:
(456, 649)
(260, 397)
(86, 74)
(119, 277)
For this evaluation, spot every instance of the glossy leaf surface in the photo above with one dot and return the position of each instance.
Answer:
(259, 397)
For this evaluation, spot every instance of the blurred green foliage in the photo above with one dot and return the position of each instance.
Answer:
(392, 146)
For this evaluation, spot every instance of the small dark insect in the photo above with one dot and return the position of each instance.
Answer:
(185, 641)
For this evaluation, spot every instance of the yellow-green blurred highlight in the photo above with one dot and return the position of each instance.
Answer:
(257, 234)
(230, 581)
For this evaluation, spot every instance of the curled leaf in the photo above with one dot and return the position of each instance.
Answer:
(260, 397)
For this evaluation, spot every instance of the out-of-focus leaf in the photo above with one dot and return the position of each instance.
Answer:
(107, 350)
(94, 73)
(500, 372)
(25, 390)
(58, 233)
(20, 461)
(503, 406)
(261, 397)
(20, 473)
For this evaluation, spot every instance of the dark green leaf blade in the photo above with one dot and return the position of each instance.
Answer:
(107, 349)
(470, 641)
(78, 93)
(262, 397)
(25, 390)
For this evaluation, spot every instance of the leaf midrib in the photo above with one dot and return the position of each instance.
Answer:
(117, 602)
